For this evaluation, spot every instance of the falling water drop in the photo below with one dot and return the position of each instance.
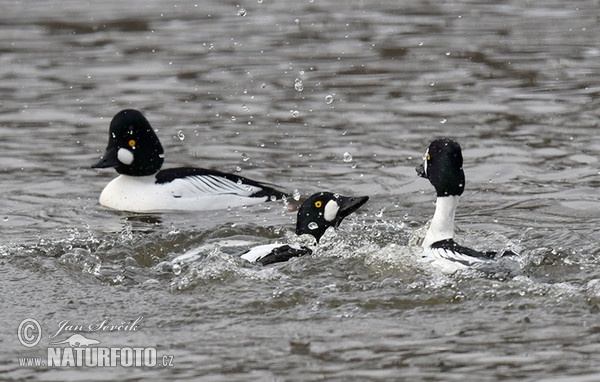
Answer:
(347, 157)
(328, 99)
(298, 85)
(242, 12)
(176, 269)
(296, 194)
(295, 113)
(313, 225)
(245, 157)
(180, 135)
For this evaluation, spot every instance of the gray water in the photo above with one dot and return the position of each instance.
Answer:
(280, 91)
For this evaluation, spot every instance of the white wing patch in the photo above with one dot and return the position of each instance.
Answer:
(260, 251)
(215, 185)
(449, 261)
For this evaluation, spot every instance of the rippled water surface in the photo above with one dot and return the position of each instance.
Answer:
(310, 95)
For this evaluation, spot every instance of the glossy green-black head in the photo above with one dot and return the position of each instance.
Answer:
(133, 147)
(323, 210)
(442, 165)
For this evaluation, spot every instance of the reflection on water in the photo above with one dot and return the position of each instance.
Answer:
(309, 95)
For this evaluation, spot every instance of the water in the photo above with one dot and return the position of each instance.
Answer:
(309, 95)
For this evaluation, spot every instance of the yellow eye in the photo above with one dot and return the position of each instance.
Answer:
(318, 204)
(131, 143)
(428, 156)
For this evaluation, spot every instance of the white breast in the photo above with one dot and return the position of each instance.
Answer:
(142, 194)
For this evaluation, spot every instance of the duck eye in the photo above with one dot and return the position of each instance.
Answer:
(131, 143)
(428, 156)
(318, 204)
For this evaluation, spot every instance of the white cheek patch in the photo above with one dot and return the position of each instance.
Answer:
(125, 156)
(425, 162)
(331, 210)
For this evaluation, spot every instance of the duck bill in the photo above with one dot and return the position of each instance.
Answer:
(109, 159)
(421, 170)
(349, 204)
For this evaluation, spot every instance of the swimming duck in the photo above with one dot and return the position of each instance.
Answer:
(134, 150)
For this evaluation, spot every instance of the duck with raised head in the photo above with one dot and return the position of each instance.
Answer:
(443, 166)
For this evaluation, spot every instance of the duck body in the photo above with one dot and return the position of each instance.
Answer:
(320, 212)
(208, 190)
(134, 150)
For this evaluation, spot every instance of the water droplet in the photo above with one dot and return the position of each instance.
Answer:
(294, 113)
(447, 53)
(432, 83)
(245, 108)
(443, 120)
(421, 43)
(273, 198)
(238, 169)
(313, 225)
(233, 118)
(180, 135)
(259, 1)
(297, 21)
(296, 194)
(242, 12)
(176, 269)
(347, 157)
(245, 157)
(161, 156)
(380, 213)
(298, 85)
(328, 99)
(5, 218)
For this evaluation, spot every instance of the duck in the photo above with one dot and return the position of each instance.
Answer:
(316, 214)
(136, 153)
(443, 166)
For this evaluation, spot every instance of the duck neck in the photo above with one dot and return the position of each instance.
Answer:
(442, 224)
